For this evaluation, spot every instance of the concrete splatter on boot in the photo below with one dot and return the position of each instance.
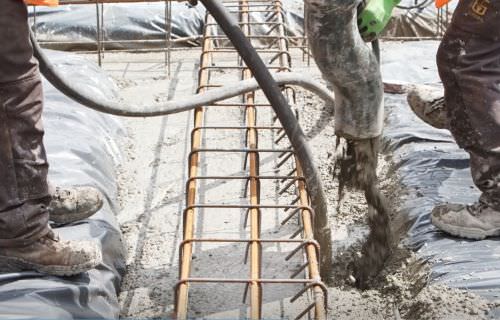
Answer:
(73, 204)
(49, 255)
(427, 102)
(476, 221)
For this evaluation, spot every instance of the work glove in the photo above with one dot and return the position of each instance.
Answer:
(373, 17)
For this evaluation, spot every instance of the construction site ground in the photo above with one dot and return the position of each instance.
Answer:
(152, 184)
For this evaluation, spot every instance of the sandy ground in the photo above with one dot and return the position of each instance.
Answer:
(152, 184)
(152, 180)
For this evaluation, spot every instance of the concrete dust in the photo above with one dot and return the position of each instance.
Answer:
(152, 186)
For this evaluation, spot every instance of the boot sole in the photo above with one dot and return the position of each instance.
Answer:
(69, 218)
(418, 106)
(13, 264)
(464, 232)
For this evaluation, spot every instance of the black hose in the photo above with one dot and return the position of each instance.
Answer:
(418, 5)
(287, 118)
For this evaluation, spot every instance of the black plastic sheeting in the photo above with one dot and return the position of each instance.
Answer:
(434, 170)
(146, 21)
(82, 147)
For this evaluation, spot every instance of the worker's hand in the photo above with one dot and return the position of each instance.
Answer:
(374, 17)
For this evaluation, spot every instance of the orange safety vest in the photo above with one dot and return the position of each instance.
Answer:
(441, 3)
(49, 3)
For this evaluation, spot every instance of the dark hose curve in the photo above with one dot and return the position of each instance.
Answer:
(120, 108)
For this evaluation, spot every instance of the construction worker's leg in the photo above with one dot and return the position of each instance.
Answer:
(469, 66)
(23, 163)
(19, 77)
(26, 240)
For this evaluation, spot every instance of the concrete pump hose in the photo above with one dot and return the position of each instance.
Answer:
(349, 65)
(119, 108)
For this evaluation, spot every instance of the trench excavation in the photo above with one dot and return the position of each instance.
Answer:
(269, 200)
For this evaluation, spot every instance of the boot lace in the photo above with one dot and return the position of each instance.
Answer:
(62, 194)
(49, 238)
(477, 208)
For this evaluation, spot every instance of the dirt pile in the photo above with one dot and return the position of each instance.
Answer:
(401, 291)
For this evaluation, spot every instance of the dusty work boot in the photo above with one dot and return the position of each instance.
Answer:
(52, 256)
(428, 104)
(476, 221)
(73, 204)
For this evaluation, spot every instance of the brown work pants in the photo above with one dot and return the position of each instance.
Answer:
(23, 162)
(469, 66)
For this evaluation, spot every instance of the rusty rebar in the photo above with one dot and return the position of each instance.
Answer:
(307, 275)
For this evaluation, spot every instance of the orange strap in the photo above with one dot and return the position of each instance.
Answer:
(441, 3)
(50, 3)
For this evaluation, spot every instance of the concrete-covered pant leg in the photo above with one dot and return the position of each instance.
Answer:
(23, 162)
(469, 66)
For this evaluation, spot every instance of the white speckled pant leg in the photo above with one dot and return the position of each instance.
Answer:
(469, 66)
(23, 162)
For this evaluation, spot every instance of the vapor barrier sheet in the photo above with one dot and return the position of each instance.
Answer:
(128, 23)
(433, 170)
(82, 147)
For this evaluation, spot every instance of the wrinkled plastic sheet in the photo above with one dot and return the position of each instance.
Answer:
(128, 22)
(82, 147)
(433, 170)
(135, 21)
(121, 22)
